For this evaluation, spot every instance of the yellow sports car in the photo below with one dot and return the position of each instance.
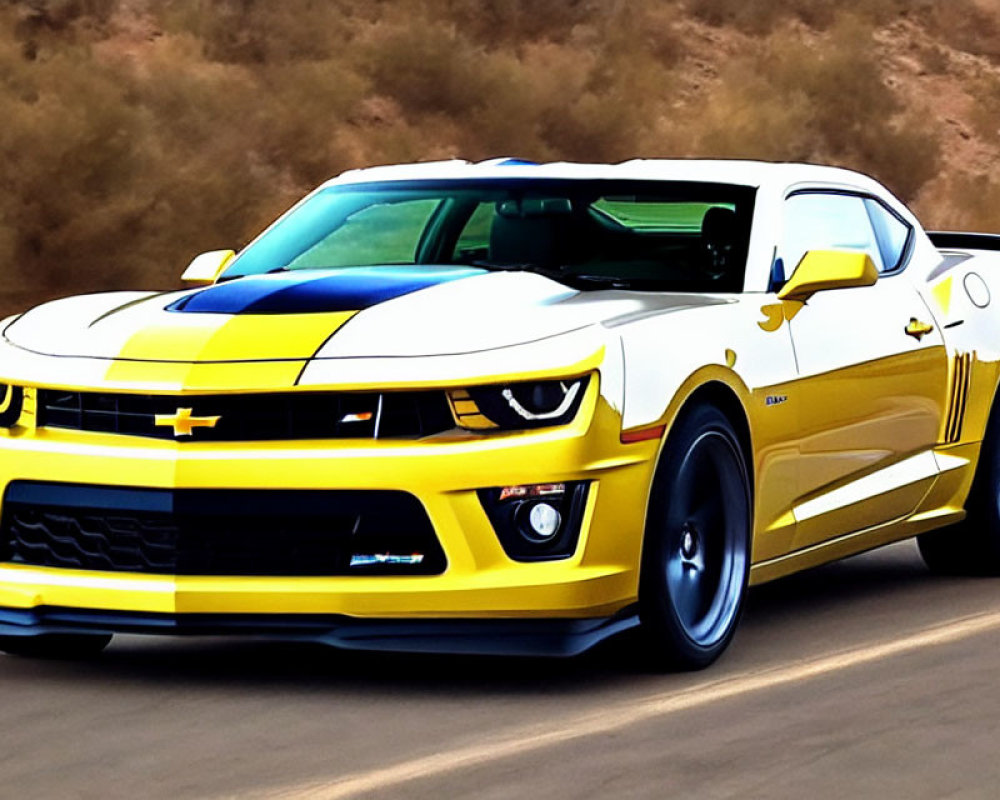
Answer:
(503, 407)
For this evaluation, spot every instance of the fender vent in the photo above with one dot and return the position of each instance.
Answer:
(961, 373)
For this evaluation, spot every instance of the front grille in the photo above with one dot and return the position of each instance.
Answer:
(218, 532)
(252, 417)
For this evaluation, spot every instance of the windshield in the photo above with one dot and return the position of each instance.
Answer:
(663, 236)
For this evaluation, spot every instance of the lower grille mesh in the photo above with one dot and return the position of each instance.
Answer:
(216, 532)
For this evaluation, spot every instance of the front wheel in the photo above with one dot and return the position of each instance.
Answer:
(68, 646)
(696, 551)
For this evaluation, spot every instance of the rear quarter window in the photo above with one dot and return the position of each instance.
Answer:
(891, 232)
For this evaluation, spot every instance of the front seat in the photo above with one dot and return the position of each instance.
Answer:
(543, 240)
(720, 236)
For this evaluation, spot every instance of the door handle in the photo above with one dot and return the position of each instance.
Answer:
(917, 329)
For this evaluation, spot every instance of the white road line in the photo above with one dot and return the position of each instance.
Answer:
(520, 741)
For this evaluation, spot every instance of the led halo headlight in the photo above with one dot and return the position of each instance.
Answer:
(531, 404)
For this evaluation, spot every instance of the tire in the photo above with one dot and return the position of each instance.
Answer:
(69, 646)
(696, 550)
(972, 547)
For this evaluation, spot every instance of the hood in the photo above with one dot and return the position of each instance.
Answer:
(343, 313)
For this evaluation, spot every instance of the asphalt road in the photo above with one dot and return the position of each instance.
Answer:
(865, 678)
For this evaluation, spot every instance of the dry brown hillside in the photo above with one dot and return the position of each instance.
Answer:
(137, 132)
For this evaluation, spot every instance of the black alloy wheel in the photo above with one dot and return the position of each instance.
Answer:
(696, 552)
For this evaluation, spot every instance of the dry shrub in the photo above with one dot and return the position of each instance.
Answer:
(114, 179)
(762, 16)
(67, 137)
(985, 114)
(969, 202)
(819, 98)
(128, 147)
(427, 66)
(59, 15)
(263, 31)
(586, 98)
(963, 24)
(934, 58)
(517, 21)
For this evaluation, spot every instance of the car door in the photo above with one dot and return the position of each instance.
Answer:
(872, 374)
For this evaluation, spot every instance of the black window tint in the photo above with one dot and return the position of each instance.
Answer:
(589, 234)
(890, 231)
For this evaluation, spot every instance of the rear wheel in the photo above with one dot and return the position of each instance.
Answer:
(55, 645)
(972, 547)
(696, 552)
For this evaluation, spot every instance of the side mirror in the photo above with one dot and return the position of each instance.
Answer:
(207, 267)
(828, 269)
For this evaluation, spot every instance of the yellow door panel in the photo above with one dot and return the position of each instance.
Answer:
(873, 396)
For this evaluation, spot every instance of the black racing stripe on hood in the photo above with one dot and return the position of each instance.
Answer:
(315, 291)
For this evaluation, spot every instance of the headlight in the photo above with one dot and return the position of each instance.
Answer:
(517, 406)
(11, 400)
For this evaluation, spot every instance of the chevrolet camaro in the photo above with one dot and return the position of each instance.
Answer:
(504, 407)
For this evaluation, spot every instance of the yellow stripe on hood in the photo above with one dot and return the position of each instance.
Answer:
(244, 337)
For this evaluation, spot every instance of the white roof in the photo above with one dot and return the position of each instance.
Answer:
(744, 173)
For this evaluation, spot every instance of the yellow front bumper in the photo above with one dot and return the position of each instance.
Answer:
(480, 581)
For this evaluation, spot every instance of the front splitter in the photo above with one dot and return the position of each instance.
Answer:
(522, 637)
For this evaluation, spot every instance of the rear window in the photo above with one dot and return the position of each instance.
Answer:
(639, 215)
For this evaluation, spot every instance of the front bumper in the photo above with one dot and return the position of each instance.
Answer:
(480, 582)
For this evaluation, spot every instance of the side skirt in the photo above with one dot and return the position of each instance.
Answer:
(852, 543)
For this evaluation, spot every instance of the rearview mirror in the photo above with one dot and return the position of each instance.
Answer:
(828, 269)
(207, 267)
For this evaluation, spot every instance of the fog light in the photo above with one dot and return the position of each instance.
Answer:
(537, 522)
(544, 520)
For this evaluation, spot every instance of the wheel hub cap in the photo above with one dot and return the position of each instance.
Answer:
(689, 541)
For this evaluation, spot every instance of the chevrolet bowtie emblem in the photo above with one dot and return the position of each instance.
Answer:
(183, 423)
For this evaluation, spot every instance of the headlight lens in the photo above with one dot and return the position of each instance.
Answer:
(11, 400)
(517, 406)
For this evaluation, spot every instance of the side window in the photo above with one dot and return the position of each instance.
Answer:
(383, 233)
(890, 231)
(816, 221)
